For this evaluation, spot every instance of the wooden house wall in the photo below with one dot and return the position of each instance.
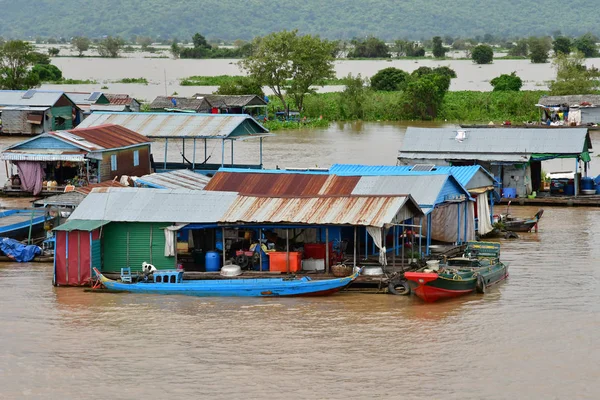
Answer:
(125, 163)
(65, 112)
(15, 122)
(47, 143)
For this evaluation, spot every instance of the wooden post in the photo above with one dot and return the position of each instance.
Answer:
(166, 147)
(260, 268)
(261, 152)
(223, 242)
(402, 244)
(231, 152)
(222, 152)
(327, 250)
(194, 156)
(183, 151)
(394, 252)
(287, 250)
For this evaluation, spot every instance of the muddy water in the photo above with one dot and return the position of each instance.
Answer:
(532, 337)
(159, 71)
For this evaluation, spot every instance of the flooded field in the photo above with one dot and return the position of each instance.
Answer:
(532, 337)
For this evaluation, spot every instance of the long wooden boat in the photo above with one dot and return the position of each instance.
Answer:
(478, 269)
(171, 282)
(16, 224)
(521, 224)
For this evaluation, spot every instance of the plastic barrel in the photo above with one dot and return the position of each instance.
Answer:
(509, 192)
(213, 261)
(570, 188)
(587, 183)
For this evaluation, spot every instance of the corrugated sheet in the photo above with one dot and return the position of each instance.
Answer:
(102, 137)
(425, 190)
(492, 143)
(80, 225)
(174, 125)
(410, 158)
(180, 179)
(181, 103)
(82, 98)
(154, 205)
(70, 199)
(349, 210)
(282, 183)
(570, 100)
(232, 100)
(37, 155)
(119, 99)
(106, 184)
(40, 98)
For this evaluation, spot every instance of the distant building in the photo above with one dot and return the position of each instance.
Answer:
(98, 101)
(212, 104)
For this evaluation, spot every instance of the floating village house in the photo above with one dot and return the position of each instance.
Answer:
(570, 110)
(35, 111)
(190, 135)
(89, 102)
(513, 155)
(212, 104)
(449, 210)
(122, 228)
(77, 157)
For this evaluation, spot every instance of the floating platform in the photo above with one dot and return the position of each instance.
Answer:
(556, 201)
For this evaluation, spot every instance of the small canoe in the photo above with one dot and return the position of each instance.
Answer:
(15, 224)
(521, 224)
(461, 275)
(171, 282)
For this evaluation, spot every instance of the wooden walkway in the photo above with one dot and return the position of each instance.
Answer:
(556, 201)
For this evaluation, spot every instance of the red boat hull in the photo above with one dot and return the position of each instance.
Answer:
(430, 294)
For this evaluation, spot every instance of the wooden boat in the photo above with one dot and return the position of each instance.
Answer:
(16, 224)
(521, 224)
(478, 269)
(171, 282)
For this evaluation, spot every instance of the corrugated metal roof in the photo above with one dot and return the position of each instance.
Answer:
(216, 100)
(425, 190)
(282, 183)
(181, 103)
(154, 205)
(106, 184)
(411, 157)
(80, 225)
(119, 99)
(102, 137)
(24, 108)
(70, 199)
(330, 210)
(593, 99)
(180, 179)
(41, 155)
(84, 98)
(39, 98)
(174, 125)
(463, 174)
(492, 144)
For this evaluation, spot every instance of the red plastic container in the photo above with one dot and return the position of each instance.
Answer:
(316, 250)
(277, 261)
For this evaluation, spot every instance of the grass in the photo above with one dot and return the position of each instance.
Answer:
(221, 79)
(143, 81)
(75, 82)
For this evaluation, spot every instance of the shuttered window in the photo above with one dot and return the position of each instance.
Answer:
(113, 162)
(136, 158)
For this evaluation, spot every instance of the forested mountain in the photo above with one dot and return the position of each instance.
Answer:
(335, 19)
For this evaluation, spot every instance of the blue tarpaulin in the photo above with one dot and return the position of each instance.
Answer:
(18, 251)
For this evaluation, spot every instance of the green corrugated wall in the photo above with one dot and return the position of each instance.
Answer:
(120, 252)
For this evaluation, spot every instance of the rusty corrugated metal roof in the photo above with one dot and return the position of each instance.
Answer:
(283, 184)
(106, 184)
(322, 210)
(102, 137)
(119, 99)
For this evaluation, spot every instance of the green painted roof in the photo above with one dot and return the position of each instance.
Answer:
(81, 225)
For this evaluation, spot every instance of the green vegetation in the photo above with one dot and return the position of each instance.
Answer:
(573, 77)
(586, 45)
(390, 79)
(370, 47)
(539, 48)
(202, 49)
(240, 85)
(81, 44)
(562, 45)
(439, 51)
(16, 61)
(77, 82)
(233, 19)
(483, 54)
(143, 81)
(47, 72)
(507, 82)
(110, 47)
(219, 80)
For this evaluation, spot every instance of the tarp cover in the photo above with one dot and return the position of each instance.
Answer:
(18, 251)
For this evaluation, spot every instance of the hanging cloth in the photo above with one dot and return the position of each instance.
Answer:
(483, 213)
(171, 239)
(376, 234)
(31, 174)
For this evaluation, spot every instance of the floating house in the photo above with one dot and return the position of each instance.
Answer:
(36, 111)
(178, 179)
(575, 110)
(122, 228)
(76, 157)
(89, 102)
(514, 156)
(449, 210)
(212, 104)
(195, 131)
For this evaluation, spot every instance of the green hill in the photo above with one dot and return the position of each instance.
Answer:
(244, 19)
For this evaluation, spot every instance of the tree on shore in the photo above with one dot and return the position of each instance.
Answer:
(586, 45)
(290, 64)
(506, 82)
(110, 47)
(389, 79)
(562, 45)
(439, 51)
(520, 49)
(16, 61)
(538, 49)
(81, 44)
(573, 77)
(483, 54)
(370, 47)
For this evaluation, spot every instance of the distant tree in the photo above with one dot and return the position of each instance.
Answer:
(290, 64)
(241, 85)
(389, 79)
(52, 41)
(562, 45)
(47, 72)
(16, 60)
(175, 49)
(421, 71)
(573, 77)
(352, 99)
(81, 44)
(370, 47)
(40, 58)
(448, 40)
(506, 82)
(200, 42)
(539, 48)
(482, 54)
(110, 47)
(425, 95)
(445, 70)
(520, 49)
(53, 51)
(586, 45)
(488, 38)
(439, 50)
(144, 42)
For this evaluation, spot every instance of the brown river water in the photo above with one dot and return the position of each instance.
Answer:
(531, 337)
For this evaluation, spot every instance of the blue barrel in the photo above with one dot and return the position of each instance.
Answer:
(587, 183)
(570, 188)
(213, 261)
(509, 192)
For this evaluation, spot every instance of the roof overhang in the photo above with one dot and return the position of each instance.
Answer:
(40, 155)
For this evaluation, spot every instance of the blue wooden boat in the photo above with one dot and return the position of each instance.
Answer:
(15, 223)
(171, 282)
